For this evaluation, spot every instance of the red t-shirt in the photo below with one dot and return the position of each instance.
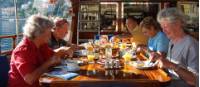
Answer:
(26, 58)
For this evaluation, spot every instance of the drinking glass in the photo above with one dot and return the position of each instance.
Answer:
(108, 52)
(90, 57)
(127, 57)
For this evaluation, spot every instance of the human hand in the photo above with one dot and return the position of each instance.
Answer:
(62, 51)
(154, 56)
(164, 63)
(54, 60)
(80, 47)
(74, 47)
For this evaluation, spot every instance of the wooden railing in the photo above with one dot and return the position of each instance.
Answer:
(14, 38)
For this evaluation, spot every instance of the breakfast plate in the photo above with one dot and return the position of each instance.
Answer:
(80, 53)
(101, 61)
(144, 64)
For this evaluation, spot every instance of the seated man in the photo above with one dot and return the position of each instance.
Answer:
(182, 60)
(158, 41)
(58, 33)
(136, 33)
(32, 56)
(57, 36)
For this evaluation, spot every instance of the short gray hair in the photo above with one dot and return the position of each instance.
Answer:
(171, 14)
(36, 25)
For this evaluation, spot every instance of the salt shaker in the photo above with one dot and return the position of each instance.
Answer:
(117, 63)
(106, 64)
(111, 64)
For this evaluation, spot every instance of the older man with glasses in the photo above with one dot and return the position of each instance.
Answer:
(182, 60)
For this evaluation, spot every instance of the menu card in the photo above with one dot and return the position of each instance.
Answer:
(62, 74)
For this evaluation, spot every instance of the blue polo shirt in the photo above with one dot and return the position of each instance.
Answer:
(158, 43)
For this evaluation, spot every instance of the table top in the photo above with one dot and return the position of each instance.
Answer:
(97, 73)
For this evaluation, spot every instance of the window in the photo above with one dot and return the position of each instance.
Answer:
(11, 24)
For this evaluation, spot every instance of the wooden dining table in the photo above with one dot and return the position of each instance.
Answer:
(95, 75)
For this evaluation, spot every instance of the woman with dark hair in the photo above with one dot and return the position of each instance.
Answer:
(135, 31)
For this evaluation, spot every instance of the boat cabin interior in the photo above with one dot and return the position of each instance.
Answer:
(92, 20)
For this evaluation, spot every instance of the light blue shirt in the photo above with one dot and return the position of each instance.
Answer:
(159, 42)
(185, 53)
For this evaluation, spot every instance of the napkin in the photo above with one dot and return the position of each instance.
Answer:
(62, 74)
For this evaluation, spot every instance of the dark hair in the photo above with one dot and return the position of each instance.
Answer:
(132, 18)
(147, 22)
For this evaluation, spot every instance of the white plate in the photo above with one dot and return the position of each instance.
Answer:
(81, 52)
(143, 64)
(102, 61)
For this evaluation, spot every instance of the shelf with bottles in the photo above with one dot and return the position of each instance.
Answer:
(109, 15)
(89, 26)
(89, 20)
(89, 12)
(90, 16)
(140, 9)
(89, 7)
(191, 10)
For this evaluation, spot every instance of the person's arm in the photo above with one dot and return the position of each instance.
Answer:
(163, 54)
(184, 74)
(30, 78)
(25, 61)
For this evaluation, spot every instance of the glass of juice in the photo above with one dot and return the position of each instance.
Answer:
(90, 58)
(127, 57)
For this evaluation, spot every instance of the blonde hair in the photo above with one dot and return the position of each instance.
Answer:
(148, 22)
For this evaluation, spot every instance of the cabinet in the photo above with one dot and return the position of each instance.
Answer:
(96, 18)
(109, 16)
(88, 21)
(89, 17)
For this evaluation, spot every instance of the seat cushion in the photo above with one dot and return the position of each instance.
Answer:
(4, 68)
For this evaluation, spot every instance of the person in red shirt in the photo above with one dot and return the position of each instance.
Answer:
(32, 56)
